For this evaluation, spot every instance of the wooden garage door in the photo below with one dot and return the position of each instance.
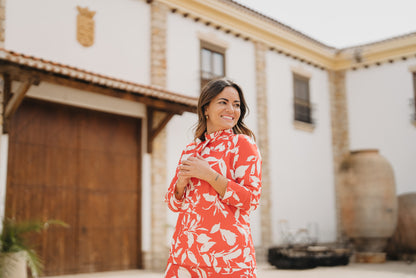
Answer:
(82, 167)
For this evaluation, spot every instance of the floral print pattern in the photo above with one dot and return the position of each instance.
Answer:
(212, 231)
(177, 271)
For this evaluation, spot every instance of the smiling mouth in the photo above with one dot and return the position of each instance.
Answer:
(228, 117)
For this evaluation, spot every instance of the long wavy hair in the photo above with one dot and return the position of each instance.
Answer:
(209, 92)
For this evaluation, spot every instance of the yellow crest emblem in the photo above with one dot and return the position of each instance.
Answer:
(85, 26)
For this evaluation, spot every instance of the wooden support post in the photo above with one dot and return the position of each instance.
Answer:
(17, 99)
(152, 132)
(6, 97)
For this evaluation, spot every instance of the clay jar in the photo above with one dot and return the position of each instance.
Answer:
(403, 242)
(368, 202)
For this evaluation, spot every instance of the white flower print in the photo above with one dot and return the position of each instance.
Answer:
(241, 171)
(214, 231)
(229, 236)
(232, 255)
(206, 244)
(215, 228)
(192, 257)
(206, 259)
(183, 273)
(219, 148)
(215, 202)
(205, 151)
(223, 167)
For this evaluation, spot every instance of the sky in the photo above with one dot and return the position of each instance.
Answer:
(342, 23)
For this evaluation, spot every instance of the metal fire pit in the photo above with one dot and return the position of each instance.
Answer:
(304, 257)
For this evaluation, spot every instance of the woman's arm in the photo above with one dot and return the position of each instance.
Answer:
(174, 195)
(180, 187)
(199, 168)
(244, 191)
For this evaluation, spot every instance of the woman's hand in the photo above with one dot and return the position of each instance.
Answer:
(187, 170)
(198, 167)
(180, 186)
(195, 167)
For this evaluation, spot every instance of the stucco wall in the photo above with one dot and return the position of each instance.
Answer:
(300, 161)
(380, 116)
(47, 29)
(183, 65)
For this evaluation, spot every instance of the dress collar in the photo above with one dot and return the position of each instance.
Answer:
(216, 134)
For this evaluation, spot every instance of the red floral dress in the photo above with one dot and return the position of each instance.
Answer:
(214, 232)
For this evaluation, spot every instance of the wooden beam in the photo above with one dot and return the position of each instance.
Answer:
(17, 98)
(21, 73)
(6, 89)
(30, 76)
(149, 101)
(7, 95)
(153, 132)
(149, 129)
(161, 125)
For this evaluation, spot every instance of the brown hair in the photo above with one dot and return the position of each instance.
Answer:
(209, 92)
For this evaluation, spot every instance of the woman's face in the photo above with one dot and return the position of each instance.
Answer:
(223, 111)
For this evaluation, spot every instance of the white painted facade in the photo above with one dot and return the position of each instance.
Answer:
(301, 162)
(183, 67)
(47, 29)
(380, 116)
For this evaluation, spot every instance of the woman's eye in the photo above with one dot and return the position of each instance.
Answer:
(237, 105)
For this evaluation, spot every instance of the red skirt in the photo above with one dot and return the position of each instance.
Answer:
(183, 271)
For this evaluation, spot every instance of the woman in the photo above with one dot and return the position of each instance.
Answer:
(216, 186)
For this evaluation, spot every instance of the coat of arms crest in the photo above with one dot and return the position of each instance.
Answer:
(85, 26)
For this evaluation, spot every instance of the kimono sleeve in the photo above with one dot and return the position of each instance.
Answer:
(244, 191)
(174, 204)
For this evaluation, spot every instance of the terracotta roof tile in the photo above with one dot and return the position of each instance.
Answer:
(99, 79)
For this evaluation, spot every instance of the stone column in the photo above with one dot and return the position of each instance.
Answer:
(340, 135)
(2, 21)
(159, 250)
(2, 166)
(263, 143)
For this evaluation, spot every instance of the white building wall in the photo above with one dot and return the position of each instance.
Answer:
(47, 29)
(183, 75)
(379, 117)
(301, 165)
(4, 153)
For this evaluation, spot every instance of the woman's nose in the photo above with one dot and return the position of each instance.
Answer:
(230, 108)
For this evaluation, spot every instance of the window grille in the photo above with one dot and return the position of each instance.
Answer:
(302, 104)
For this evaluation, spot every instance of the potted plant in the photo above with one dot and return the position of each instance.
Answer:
(15, 253)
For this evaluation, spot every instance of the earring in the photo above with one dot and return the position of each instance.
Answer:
(206, 116)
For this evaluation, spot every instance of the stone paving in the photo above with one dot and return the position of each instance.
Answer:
(387, 270)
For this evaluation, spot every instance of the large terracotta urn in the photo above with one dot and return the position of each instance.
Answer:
(403, 243)
(368, 203)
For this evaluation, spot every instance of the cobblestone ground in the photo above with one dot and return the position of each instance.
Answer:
(386, 270)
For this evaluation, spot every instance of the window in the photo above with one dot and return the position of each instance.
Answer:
(212, 62)
(302, 104)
